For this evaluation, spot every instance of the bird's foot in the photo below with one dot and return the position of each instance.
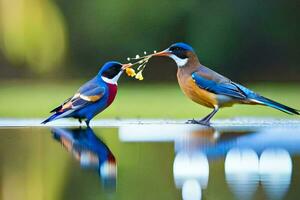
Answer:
(87, 123)
(200, 122)
(191, 121)
(80, 123)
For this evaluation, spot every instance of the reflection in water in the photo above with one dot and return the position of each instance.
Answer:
(241, 170)
(157, 162)
(191, 173)
(90, 151)
(191, 190)
(275, 169)
(253, 156)
(190, 166)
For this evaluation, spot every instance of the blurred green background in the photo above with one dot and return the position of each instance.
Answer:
(48, 48)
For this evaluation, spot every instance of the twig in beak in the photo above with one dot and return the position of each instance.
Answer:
(127, 65)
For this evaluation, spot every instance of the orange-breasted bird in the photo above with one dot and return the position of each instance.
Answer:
(208, 88)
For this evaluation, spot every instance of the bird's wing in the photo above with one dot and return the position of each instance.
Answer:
(86, 95)
(209, 74)
(218, 84)
(60, 106)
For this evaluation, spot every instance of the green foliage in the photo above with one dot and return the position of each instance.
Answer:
(245, 40)
(32, 34)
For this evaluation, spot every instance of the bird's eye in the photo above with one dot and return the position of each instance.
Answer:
(112, 71)
(176, 49)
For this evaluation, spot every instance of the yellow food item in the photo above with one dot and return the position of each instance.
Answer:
(139, 76)
(130, 72)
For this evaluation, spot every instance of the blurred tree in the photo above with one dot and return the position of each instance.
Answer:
(245, 40)
(32, 33)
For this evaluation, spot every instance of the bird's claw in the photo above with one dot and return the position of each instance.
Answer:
(191, 121)
(200, 122)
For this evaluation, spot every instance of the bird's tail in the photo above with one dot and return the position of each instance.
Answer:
(268, 102)
(51, 118)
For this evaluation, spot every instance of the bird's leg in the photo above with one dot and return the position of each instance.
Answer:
(205, 120)
(87, 123)
(80, 123)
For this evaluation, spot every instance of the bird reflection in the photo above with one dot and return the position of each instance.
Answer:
(253, 156)
(275, 168)
(191, 163)
(242, 172)
(90, 151)
(191, 173)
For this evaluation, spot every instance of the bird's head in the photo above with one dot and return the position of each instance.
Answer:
(111, 71)
(180, 52)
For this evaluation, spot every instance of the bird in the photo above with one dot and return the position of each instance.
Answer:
(92, 153)
(93, 97)
(209, 88)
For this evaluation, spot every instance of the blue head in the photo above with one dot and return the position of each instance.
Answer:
(180, 49)
(111, 71)
(180, 52)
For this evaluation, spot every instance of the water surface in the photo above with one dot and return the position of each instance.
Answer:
(170, 161)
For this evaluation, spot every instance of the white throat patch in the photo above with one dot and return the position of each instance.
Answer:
(114, 80)
(179, 61)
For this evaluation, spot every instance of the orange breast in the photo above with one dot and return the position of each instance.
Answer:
(198, 95)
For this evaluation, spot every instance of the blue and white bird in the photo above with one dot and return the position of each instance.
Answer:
(92, 153)
(208, 88)
(93, 97)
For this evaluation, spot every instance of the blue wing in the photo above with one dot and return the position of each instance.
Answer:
(87, 94)
(225, 87)
(211, 81)
(90, 94)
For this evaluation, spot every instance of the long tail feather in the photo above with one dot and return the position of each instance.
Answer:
(276, 105)
(51, 118)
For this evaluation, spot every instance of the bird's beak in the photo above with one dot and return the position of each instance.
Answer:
(125, 66)
(163, 53)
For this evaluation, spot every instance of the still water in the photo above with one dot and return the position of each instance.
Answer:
(150, 162)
